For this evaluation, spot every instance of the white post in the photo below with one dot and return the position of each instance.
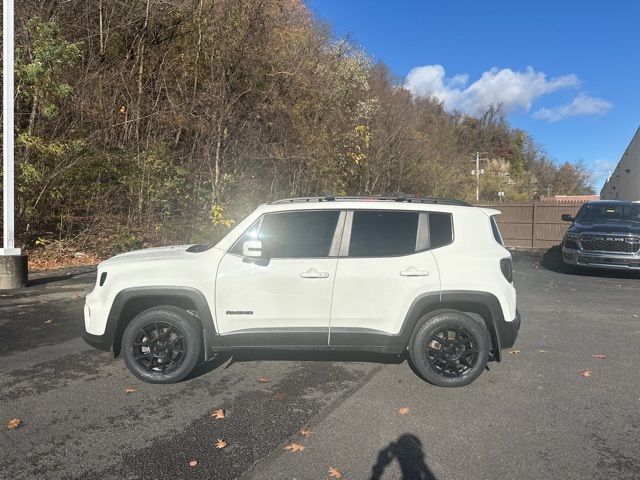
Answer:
(8, 132)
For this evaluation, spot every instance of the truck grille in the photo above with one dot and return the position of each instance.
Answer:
(610, 243)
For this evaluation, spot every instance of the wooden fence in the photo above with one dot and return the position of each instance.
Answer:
(533, 224)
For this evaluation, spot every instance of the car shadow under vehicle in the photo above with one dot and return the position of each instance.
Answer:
(552, 260)
(238, 356)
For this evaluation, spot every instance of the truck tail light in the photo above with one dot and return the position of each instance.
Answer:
(507, 269)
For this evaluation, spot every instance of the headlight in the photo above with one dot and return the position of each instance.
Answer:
(572, 236)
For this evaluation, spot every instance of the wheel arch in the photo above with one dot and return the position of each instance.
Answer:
(482, 306)
(131, 301)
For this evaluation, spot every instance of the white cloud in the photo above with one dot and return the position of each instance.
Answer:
(583, 104)
(512, 89)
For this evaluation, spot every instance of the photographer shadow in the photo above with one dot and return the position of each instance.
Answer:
(407, 450)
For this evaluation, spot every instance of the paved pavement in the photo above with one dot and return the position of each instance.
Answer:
(530, 417)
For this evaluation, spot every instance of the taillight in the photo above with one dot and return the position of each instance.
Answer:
(507, 269)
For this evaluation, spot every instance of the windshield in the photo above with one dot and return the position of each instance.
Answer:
(612, 212)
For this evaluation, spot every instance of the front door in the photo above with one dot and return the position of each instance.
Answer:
(284, 297)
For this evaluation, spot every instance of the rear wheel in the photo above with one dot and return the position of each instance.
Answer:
(449, 349)
(162, 344)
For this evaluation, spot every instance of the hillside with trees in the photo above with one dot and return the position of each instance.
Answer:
(146, 122)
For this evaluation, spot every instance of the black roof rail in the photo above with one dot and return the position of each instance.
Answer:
(373, 198)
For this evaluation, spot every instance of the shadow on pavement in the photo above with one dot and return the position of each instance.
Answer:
(292, 356)
(407, 450)
(552, 260)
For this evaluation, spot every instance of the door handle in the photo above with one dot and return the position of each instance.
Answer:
(414, 272)
(313, 273)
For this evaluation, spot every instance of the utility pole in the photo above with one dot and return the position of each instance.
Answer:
(13, 265)
(477, 173)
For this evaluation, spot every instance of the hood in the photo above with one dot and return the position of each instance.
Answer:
(606, 227)
(158, 253)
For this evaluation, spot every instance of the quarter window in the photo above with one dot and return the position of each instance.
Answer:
(307, 234)
(440, 229)
(383, 233)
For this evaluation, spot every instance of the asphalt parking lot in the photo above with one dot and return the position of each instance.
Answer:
(533, 416)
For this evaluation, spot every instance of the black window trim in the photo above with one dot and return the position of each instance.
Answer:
(335, 241)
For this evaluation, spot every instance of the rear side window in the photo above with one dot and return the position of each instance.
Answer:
(305, 234)
(383, 233)
(440, 229)
(496, 231)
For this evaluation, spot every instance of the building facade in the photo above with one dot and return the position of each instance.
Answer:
(624, 182)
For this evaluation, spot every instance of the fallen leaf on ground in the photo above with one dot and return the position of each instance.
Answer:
(263, 380)
(599, 356)
(218, 414)
(404, 410)
(48, 321)
(617, 285)
(193, 463)
(294, 447)
(586, 373)
(220, 443)
(543, 351)
(305, 431)
(13, 423)
(514, 352)
(334, 472)
(129, 390)
(635, 316)
(279, 395)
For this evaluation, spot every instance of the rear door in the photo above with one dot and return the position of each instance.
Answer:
(384, 264)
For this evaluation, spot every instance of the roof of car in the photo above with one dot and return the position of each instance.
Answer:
(374, 198)
(610, 202)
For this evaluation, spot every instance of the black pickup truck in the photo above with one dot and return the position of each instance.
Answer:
(604, 234)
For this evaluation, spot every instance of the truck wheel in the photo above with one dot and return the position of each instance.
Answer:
(162, 344)
(449, 349)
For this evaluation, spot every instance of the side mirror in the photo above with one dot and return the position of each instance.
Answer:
(252, 249)
(566, 217)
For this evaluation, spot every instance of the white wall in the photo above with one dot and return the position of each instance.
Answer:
(624, 183)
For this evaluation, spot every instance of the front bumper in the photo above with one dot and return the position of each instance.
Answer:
(600, 260)
(508, 331)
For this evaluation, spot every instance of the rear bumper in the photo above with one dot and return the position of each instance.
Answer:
(508, 331)
(600, 260)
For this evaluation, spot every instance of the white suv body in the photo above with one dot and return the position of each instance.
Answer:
(316, 273)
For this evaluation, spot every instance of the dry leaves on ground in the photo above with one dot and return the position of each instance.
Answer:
(586, 373)
(13, 423)
(218, 414)
(294, 447)
(47, 322)
(514, 352)
(543, 351)
(280, 395)
(193, 463)
(599, 356)
(220, 443)
(129, 390)
(263, 380)
(334, 472)
(404, 410)
(305, 431)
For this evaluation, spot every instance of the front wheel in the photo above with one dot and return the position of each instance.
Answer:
(449, 349)
(162, 344)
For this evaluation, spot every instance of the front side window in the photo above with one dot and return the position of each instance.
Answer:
(305, 234)
(383, 233)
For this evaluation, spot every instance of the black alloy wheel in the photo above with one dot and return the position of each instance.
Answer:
(162, 344)
(448, 348)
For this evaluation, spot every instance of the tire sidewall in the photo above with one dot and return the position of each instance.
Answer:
(433, 322)
(181, 320)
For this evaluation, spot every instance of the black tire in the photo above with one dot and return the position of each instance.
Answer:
(452, 359)
(162, 344)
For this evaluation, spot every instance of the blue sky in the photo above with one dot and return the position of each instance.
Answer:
(568, 72)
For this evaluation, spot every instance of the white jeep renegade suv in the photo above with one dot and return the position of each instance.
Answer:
(380, 274)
